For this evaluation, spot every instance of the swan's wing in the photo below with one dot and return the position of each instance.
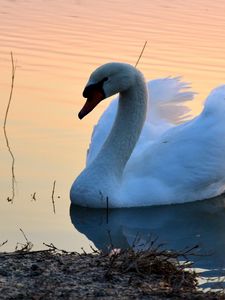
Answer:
(187, 162)
(166, 104)
(168, 97)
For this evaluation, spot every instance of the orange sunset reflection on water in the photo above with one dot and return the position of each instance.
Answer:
(56, 45)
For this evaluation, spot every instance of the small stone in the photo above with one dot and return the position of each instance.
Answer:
(3, 273)
(34, 267)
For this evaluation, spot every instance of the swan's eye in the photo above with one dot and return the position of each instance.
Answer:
(105, 79)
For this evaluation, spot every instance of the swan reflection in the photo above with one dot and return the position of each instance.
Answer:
(178, 226)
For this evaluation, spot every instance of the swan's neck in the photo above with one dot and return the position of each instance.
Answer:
(126, 130)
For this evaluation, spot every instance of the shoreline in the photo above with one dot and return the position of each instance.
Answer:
(122, 274)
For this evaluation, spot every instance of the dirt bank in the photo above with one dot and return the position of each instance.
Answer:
(52, 274)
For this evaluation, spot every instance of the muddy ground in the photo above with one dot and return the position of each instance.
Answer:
(52, 274)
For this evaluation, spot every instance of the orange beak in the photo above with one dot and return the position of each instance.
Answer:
(95, 96)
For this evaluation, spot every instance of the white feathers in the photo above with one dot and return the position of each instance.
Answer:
(167, 100)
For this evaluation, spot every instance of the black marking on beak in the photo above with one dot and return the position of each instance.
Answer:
(94, 87)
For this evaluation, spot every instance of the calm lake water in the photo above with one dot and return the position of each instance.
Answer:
(56, 44)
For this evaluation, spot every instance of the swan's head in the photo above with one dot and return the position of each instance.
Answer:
(107, 81)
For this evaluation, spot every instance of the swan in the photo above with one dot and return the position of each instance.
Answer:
(138, 155)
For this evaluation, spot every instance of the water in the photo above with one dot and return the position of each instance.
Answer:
(178, 227)
(55, 46)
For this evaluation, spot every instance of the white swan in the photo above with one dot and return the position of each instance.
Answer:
(169, 164)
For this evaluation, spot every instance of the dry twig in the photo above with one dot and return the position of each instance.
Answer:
(54, 248)
(24, 247)
(3, 243)
(5, 133)
(53, 192)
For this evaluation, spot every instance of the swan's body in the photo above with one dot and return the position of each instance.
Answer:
(143, 159)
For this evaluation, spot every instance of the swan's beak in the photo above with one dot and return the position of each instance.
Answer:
(94, 96)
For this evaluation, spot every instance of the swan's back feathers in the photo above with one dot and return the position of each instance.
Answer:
(187, 161)
(167, 100)
(215, 102)
(166, 107)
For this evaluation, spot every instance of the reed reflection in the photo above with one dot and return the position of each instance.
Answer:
(177, 226)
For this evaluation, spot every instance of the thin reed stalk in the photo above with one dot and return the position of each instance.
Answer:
(5, 132)
(142, 51)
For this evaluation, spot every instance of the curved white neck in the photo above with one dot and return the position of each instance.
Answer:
(126, 130)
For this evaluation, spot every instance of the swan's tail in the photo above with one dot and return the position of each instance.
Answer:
(167, 97)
